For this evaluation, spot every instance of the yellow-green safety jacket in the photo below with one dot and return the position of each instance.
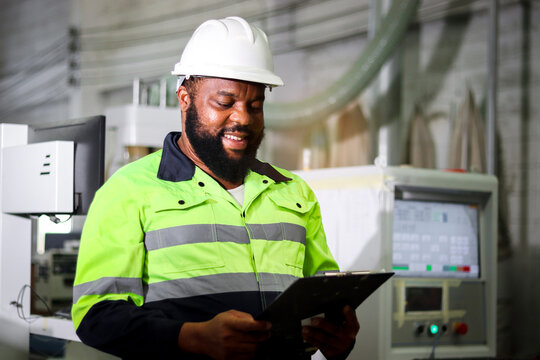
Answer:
(164, 244)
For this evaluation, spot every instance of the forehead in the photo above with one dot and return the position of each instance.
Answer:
(236, 88)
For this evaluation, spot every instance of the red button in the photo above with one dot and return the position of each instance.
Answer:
(460, 328)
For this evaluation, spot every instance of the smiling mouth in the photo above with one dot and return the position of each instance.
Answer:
(234, 138)
(235, 142)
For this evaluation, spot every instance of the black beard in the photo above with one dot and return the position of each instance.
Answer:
(210, 149)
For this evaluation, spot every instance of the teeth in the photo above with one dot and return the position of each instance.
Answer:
(232, 137)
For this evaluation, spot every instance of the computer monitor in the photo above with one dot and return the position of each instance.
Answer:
(436, 233)
(435, 239)
(88, 135)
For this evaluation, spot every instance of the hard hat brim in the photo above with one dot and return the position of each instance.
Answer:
(255, 75)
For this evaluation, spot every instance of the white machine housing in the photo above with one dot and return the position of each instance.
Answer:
(142, 125)
(38, 178)
(25, 191)
(137, 125)
(358, 210)
(15, 235)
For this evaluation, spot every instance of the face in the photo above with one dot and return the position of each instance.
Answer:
(224, 125)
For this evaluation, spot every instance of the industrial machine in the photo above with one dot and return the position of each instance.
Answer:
(53, 168)
(134, 131)
(54, 273)
(437, 231)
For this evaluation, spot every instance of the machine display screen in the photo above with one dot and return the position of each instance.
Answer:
(423, 299)
(435, 239)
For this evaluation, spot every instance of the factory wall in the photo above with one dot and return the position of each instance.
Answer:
(34, 60)
(442, 60)
(443, 55)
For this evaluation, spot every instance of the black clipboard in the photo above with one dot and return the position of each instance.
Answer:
(322, 294)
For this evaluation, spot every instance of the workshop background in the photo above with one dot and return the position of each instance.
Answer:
(64, 59)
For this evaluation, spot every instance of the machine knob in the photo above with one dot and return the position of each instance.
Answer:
(460, 328)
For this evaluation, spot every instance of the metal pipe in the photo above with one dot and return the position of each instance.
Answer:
(136, 91)
(321, 105)
(163, 93)
(491, 123)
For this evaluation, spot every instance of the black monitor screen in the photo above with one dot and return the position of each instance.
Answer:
(88, 134)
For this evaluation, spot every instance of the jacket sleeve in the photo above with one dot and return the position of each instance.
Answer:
(108, 311)
(318, 256)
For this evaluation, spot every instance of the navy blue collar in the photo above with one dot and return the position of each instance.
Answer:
(175, 166)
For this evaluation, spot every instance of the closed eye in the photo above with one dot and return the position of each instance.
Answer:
(225, 105)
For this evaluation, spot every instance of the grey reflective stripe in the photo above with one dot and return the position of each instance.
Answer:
(278, 231)
(200, 233)
(192, 234)
(108, 285)
(217, 284)
(275, 282)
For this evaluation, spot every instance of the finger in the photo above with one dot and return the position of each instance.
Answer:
(242, 321)
(324, 325)
(316, 337)
(238, 314)
(251, 325)
(329, 344)
(332, 338)
(347, 329)
(351, 320)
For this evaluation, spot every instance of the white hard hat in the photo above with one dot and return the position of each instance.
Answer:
(228, 48)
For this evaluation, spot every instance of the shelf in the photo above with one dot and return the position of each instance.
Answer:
(54, 327)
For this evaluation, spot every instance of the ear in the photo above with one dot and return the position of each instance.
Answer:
(183, 98)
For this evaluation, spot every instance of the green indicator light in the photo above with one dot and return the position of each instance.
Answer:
(433, 329)
(453, 268)
(400, 267)
(428, 267)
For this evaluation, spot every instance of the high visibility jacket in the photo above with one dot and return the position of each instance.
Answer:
(164, 244)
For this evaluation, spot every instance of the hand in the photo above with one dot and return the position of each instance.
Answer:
(333, 339)
(229, 335)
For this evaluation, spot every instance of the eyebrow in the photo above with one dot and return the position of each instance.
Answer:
(230, 94)
(226, 93)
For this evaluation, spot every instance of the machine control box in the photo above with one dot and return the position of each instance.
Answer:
(40, 178)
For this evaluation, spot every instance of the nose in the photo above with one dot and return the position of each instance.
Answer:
(241, 115)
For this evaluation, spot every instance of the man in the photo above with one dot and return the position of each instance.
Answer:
(183, 248)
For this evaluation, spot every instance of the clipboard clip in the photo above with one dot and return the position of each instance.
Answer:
(345, 273)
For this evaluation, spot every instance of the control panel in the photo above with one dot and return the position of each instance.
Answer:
(449, 311)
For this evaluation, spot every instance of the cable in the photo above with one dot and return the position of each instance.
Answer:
(49, 311)
(51, 55)
(183, 13)
(281, 29)
(59, 45)
(107, 41)
(20, 307)
(34, 99)
(432, 355)
(53, 79)
(11, 104)
(100, 38)
(56, 220)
